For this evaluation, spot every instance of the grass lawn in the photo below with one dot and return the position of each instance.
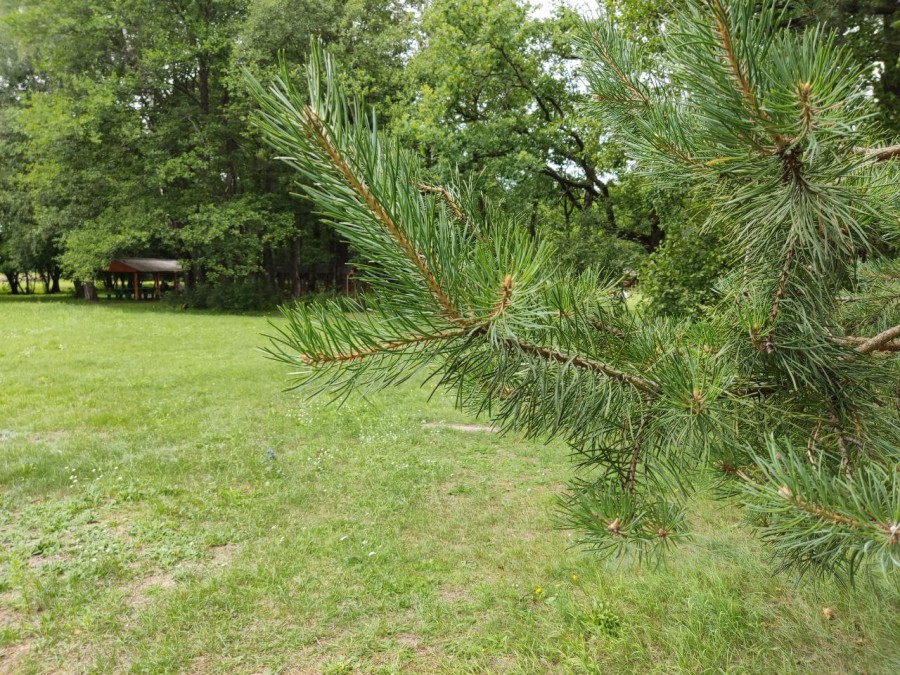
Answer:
(146, 527)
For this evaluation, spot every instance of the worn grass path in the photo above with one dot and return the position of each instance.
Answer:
(145, 527)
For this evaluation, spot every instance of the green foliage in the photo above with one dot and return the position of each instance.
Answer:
(239, 295)
(871, 30)
(770, 128)
(125, 128)
(680, 276)
(497, 100)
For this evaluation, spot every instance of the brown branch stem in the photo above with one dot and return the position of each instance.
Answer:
(587, 364)
(448, 199)
(393, 346)
(314, 128)
(880, 341)
(879, 154)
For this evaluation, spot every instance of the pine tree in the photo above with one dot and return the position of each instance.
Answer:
(786, 391)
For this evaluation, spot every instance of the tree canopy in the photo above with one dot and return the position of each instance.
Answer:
(124, 127)
(124, 131)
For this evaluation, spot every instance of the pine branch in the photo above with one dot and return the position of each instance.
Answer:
(316, 131)
(880, 341)
(636, 96)
(804, 89)
(769, 345)
(445, 195)
(503, 300)
(545, 351)
(879, 154)
(587, 364)
(819, 512)
(855, 341)
(601, 327)
(393, 346)
(742, 83)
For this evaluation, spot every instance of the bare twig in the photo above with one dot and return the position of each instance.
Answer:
(769, 345)
(879, 154)
(878, 342)
(636, 454)
(841, 441)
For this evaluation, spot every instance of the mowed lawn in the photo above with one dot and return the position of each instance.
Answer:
(166, 507)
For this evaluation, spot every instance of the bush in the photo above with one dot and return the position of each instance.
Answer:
(231, 296)
(679, 277)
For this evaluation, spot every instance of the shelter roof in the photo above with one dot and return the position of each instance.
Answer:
(144, 265)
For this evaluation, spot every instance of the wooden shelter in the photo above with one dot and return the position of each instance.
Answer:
(133, 268)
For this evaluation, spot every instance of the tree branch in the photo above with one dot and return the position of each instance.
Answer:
(879, 341)
(316, 130)
(393, 346)
(634, 92)
(879, 154)
(442, 192)
(587, 364)
(742, 84)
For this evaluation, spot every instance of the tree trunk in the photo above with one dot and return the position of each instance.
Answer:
(532, 223)
(268, 264)
(656, 233)
(203, 83)
(296, 282)
(54, 276)
(889, 83)
(86, 290)
(608, 207)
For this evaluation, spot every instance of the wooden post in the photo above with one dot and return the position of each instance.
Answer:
(137, 287)
(156, 283)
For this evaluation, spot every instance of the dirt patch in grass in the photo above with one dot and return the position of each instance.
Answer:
(222, 555)
(452, 595)
(41, 560)
(11, 657)
(423, 653)
(469, 428)
(37, 437)
(142, 592)
(8, 617)
(47, 436)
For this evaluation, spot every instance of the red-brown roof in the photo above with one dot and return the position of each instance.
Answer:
(144, 265)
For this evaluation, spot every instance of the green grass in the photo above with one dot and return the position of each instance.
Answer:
(145, 529)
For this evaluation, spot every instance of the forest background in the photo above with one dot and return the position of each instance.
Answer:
(125, 130)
